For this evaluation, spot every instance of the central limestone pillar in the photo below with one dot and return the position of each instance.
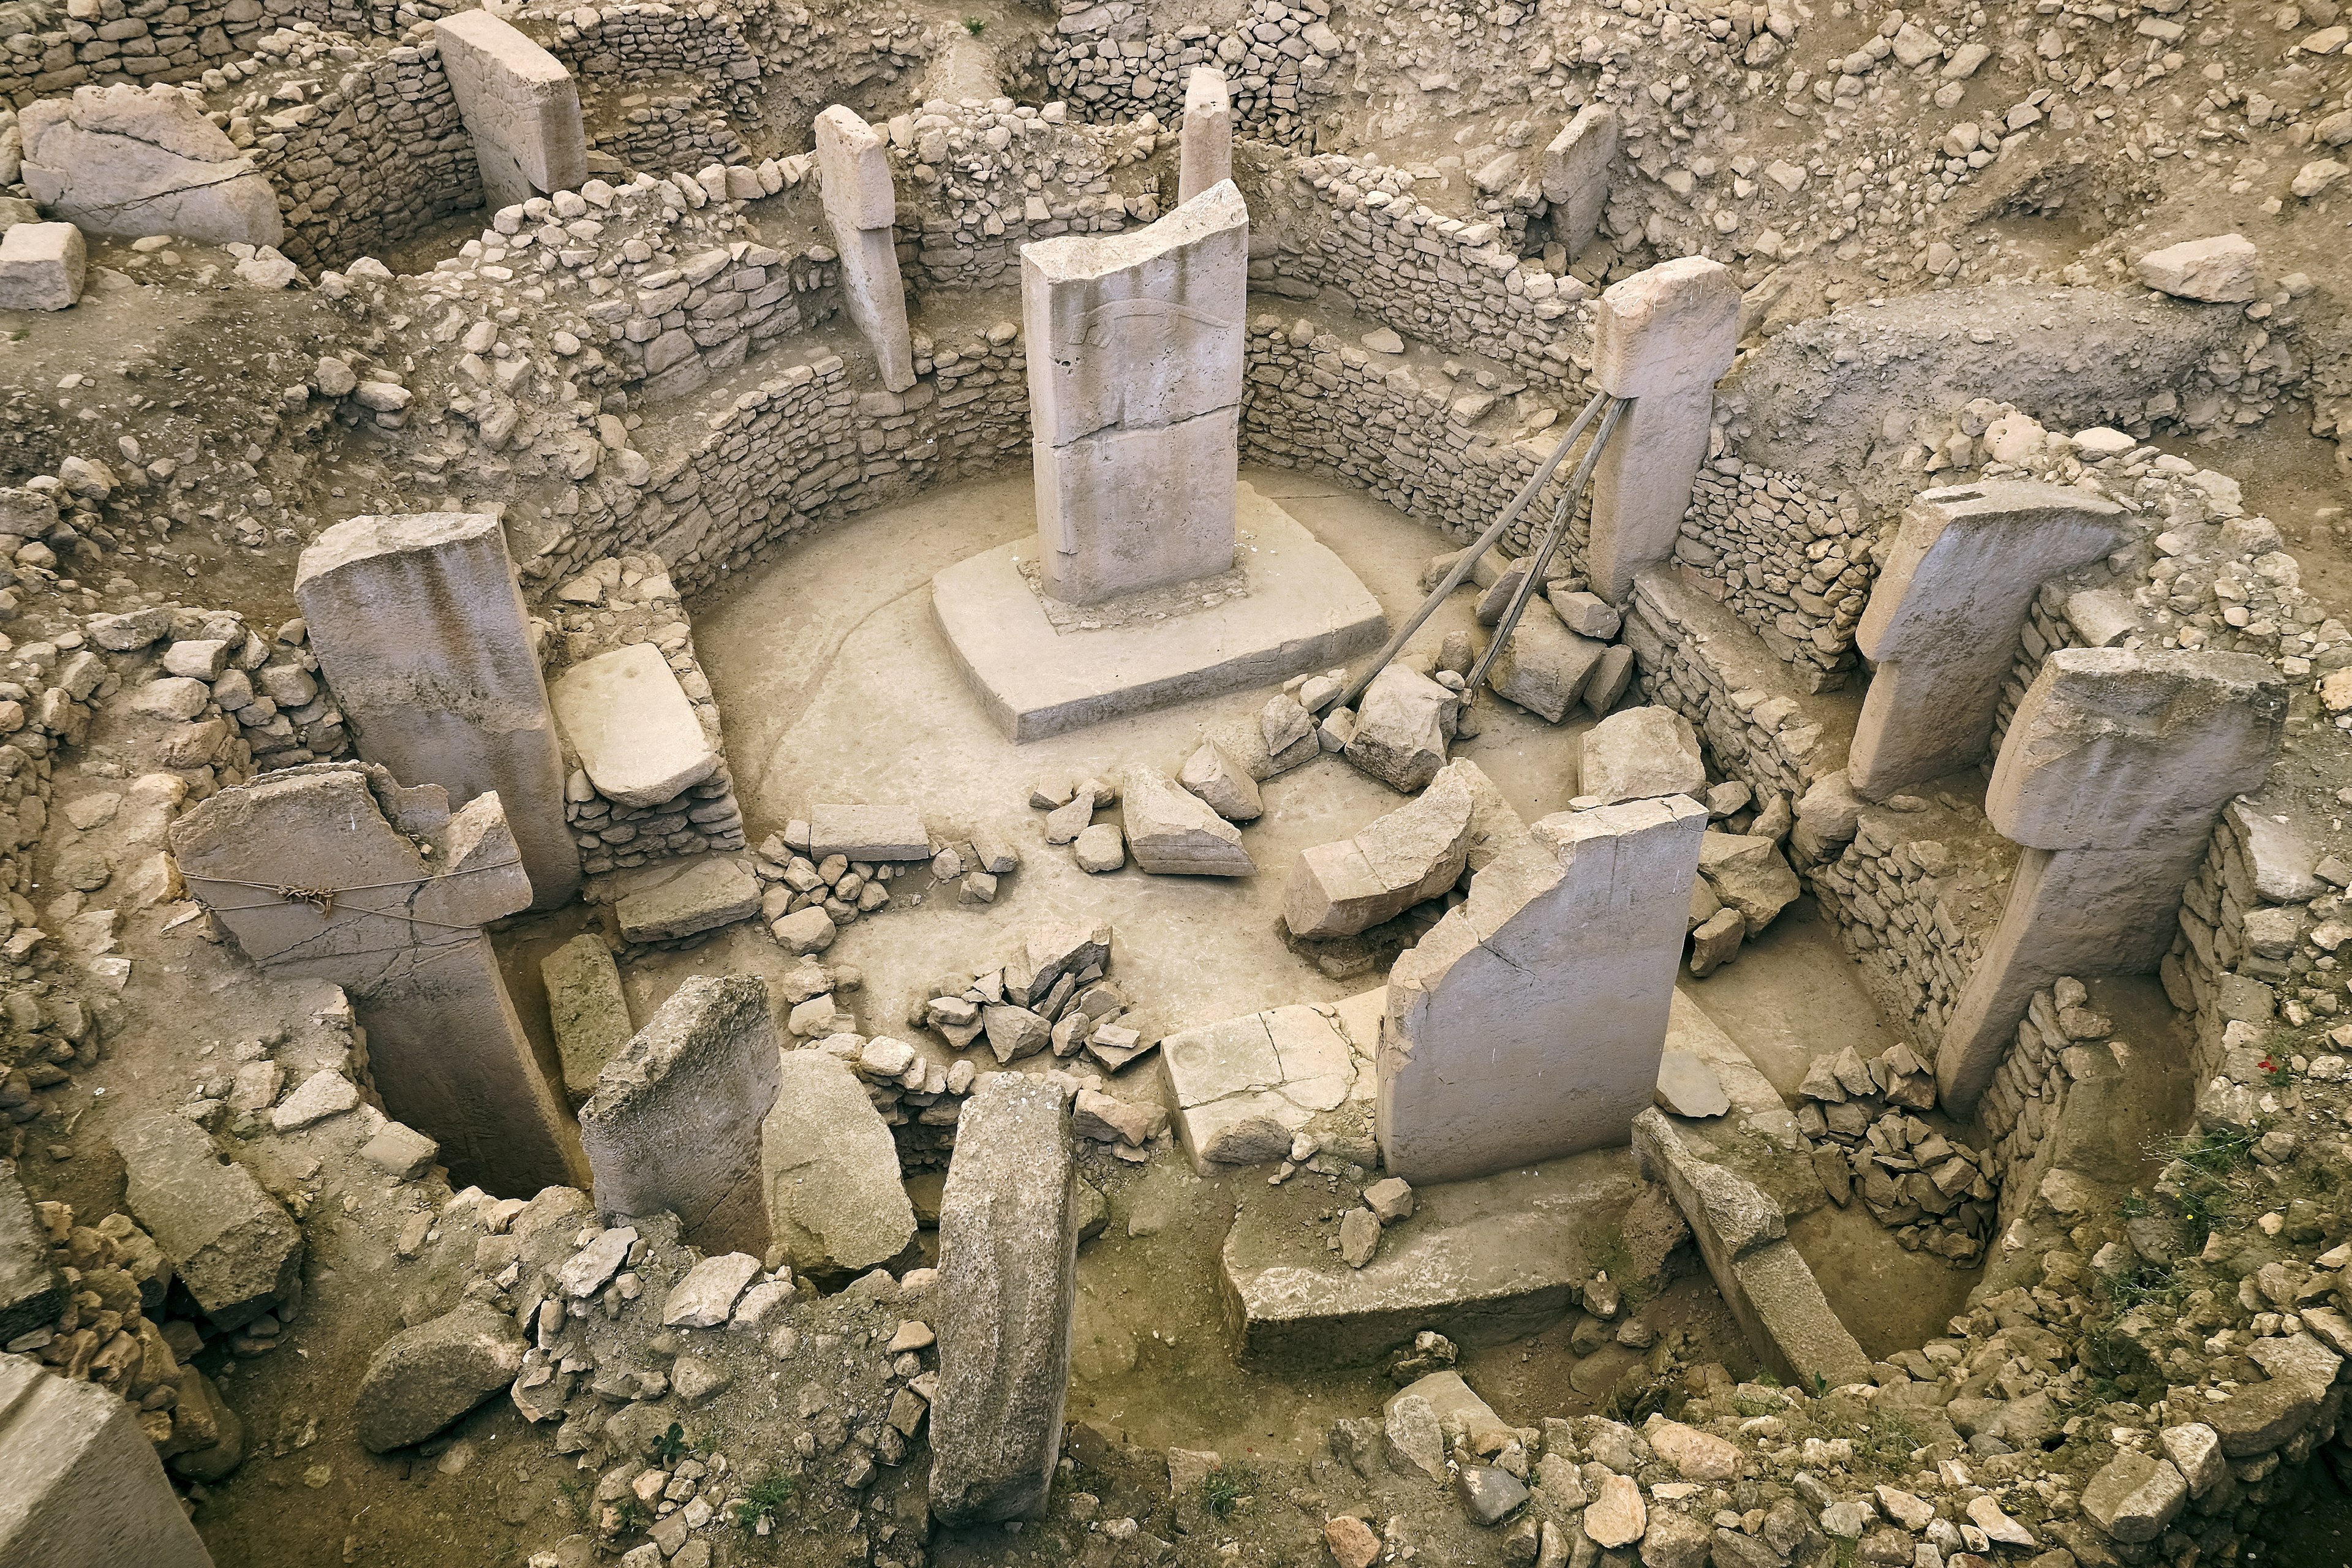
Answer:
(1136, 344)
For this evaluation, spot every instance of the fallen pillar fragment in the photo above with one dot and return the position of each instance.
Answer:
(236, 1252)
(122, 161)
(1744, 1238)
(1171, 832)
(1414, 853)
(1008, 1288)
(1401, 729)
(1638, 754)
(1528, 1023)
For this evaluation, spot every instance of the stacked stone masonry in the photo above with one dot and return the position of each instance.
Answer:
(1113, 61)
(1794, 564)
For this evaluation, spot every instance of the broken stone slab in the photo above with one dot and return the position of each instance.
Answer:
(1556, 979)
(1222, 783)
(228, 1242)
(1743, 1235)
(518, 104)
(84, 1482)
(1246, 1086)
(705, 893)
(830, 1174)
(1946, 612)
(1007, 1292)
(674, 1122)
(1545, 667)
(892, 833)
(586, 1008)
(430, 1373)
(1173, 833)
(629, 719)
(41, 266)
(32, 1291)
(324, 1093)
(1748, 874)
(1483, 1262)
(2223, 269)
(1688, 1087)
(1416, 852)
(1400, 736)
(706, 1298)
(1639, 753)
(123, 161)
(1052, 949)
(2135, 1497)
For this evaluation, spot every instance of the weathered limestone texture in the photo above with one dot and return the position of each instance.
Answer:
(861, 205)
(41, 266)
(84, 1485)
(1007, 1290)
(1663, 338)
(629, 719)
(674, 1122)
(318, 871)
(1744, 1238)
(1416, 852)
(519, 105)
(1576, 176)
(2111, 776)
(587, 1010)
(32, 1291)
(829, 1173)
(1135, 390)
(230, 1246)
(1945, 615)
(1246, 1086)
(1528, 1023)
(1205, 151)
(422, 633)
(119, 161)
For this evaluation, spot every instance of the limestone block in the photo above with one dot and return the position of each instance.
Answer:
(1576, 176)
(703, 895)
(2134, 1496)
(1748, 874)
(227, 1240)
(84, 1484)
(1205, 145)
(1529, 1022)
(41, 266)
(2114, 748)
(1544, 667)
(869, 833)
(586, 1008)
(1008, 1288)
(1416, 852)
(1222, 783)
(1946, 614)
(421, 630)
(1172, 833)
(430, 1373)
(127, 162)
(629, 719)
(2223, 269)
(674, 1122)
(1245, 1085)
(1400, 736)
(829, 1171)
(32, 1292)
(1138, 507)
(1639, 753)
(861, 208)
(518, 104)
(854, 172)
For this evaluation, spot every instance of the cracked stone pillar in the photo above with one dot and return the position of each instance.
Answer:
(1576, 176)
(2112, 774)
(519, 105)
(862, 207)
(421, 631)
(1135, 349)
(335, 872)
(1946, 614)
(1664, 337)
(1206, 146)
(1529, 1022)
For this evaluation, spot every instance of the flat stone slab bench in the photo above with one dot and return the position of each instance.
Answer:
(1245, 1086)
(1303, 609)
(627, 715)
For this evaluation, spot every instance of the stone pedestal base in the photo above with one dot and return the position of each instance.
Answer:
(1290, 606)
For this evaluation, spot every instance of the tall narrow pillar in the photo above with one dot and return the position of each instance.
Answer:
(1206, 146)
(1529, 1022)
(1576, 176)
(421, 631)
(519, 105)
(1135, 344)
(1664, 337)
(861, 205)
(1946, 614)
(2111, 775)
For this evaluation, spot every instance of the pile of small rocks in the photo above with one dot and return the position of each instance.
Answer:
(1077, 1008)
(1933, 1189)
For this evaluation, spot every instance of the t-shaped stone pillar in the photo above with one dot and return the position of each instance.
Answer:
(1205, 147)
(1664, 337)
(1946, 614)
(1135, 388)
(862, 206)
(335, 872)
(422, 633)
(1529, 1022)
(1576, 176)
(519, 105)
(2111, 775)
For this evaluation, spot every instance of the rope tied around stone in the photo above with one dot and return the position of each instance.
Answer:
(324, 900)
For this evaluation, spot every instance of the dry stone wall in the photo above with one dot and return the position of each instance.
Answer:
(1793, 562)
(656, 130)
(1116, 61)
